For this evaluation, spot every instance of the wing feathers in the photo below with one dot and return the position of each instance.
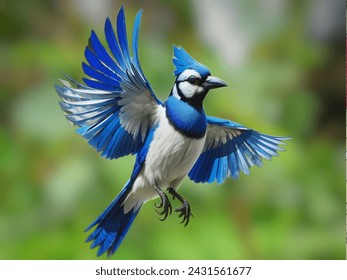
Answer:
(122, 38)
(94, 62)
(231, 148)
(113, 44)
(116, 107)
(103, 55)
(135, 40)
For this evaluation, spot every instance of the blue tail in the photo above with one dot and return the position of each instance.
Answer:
(113, 224)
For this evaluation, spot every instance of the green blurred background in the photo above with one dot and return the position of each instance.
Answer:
(284, 63)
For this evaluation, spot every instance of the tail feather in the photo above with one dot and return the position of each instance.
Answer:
(112, 224)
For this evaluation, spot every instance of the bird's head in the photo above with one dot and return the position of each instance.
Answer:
(193, 80)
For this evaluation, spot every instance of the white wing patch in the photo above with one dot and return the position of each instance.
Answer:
(137, 113)
(217, 136)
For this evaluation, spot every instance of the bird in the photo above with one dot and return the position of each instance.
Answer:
(118, 113)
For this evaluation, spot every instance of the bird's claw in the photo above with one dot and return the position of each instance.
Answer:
(166, 207)
(184, 210)
(164, 204)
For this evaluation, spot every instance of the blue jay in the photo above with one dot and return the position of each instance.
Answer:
(118, 113)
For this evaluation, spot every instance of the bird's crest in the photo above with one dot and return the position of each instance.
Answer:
(183, 61)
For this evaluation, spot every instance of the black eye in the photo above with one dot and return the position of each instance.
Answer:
(192, 80)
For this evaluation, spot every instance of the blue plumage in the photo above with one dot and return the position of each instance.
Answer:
(112, 224)
(118, 113)
(236, 149)
(189, 121)
(183, 61)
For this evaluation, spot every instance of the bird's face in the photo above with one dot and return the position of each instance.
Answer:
(191, 86)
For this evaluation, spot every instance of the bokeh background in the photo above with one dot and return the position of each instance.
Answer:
(284, 63)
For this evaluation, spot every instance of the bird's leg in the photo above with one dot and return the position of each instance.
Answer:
(184, 209)
(164, 203)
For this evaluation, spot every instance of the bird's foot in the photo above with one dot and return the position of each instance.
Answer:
(164, 204)
(184, 209)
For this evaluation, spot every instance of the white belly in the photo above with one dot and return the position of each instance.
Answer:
(170, 157)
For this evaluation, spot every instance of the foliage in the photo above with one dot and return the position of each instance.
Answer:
(53, 184)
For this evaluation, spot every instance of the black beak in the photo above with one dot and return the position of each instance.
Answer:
(213, 82)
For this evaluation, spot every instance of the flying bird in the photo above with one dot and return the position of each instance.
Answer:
(117, 111)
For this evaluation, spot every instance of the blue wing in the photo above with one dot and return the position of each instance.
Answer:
(116, 107)
(231, 148)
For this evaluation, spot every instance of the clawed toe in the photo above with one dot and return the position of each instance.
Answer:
(184, 210)
(165, 204)
(166, 207)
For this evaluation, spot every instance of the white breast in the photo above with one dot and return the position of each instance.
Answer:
(170, 157)
(171, 154)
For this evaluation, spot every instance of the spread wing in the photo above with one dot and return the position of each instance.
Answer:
(231, 148)
(116, 106)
